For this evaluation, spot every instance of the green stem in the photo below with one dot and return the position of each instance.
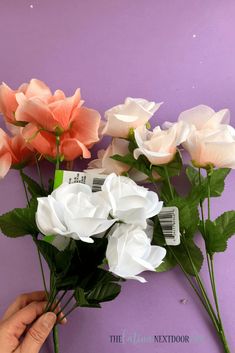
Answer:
(210, 257)
(214, 289)
(188, 277)
(209, 195)
(202, 288)
(43, 274)
(56, 339)
(39, 255)
(59, 300)
(204, 227)
(57, 152)
(39, 172)
(168, 182)
(55, 328)
(65, 305)
(68, 312)
(25, 189)
(206, 303)
(213, 284)
(51, 301)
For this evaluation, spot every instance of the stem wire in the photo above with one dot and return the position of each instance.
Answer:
(199, 281)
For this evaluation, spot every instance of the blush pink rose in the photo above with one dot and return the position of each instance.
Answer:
(133, 113)
(202, 117)
(159, 146)
(211, 140)
(106, 165)
(212, 147)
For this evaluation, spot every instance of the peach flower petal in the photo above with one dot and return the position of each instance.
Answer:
(5, 164)
(37, 88)
(8, 103)
(85, 126)
(106, 165)
(72, 148)
(36, 111)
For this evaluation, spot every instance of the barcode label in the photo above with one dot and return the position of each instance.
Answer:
(169, 220)
(97, 184)
(94, 181)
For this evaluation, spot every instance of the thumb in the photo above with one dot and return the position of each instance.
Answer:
(38, 333)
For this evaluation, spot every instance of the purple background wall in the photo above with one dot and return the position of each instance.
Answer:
(181, 52)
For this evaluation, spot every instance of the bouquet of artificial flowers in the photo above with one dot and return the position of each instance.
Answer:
(105, 225)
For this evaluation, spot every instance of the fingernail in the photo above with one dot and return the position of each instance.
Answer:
(49, 320)
(64, 321)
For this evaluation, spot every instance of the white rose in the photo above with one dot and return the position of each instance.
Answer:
(106, 165)
(160, 146)
(129, 252)
(130, 203)
(73, 211)
(133, 113)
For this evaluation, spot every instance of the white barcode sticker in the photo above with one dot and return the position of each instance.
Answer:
(169, 220)
(168, 217)
(95, 181)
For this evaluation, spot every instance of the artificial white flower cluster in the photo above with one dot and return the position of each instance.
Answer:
(120, 211)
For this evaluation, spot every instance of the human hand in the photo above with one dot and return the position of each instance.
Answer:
(27, 309)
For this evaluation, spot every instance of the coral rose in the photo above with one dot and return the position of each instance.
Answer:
(73, 143)
(9, 103)
(14, 152)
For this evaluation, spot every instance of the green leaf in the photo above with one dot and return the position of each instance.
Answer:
(99, 287)
(132, 142)
(83, 261)
(173, 168)
(141, 164)
(104, 292)
(216, 233)
(33, 187)
(168, 262)
(98, 276)
(62, 264)
(226, 223)
(19, 222)
(215, 238)
(217, 183)
(49, 253)
(165, 193)
(80, 297)
(195, 252)
(192, 174)
(81, 300)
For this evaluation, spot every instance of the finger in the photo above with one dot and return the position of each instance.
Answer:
(22, 301)
(61, 319)
(16, 324)
(38, 333)
(56, 308)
